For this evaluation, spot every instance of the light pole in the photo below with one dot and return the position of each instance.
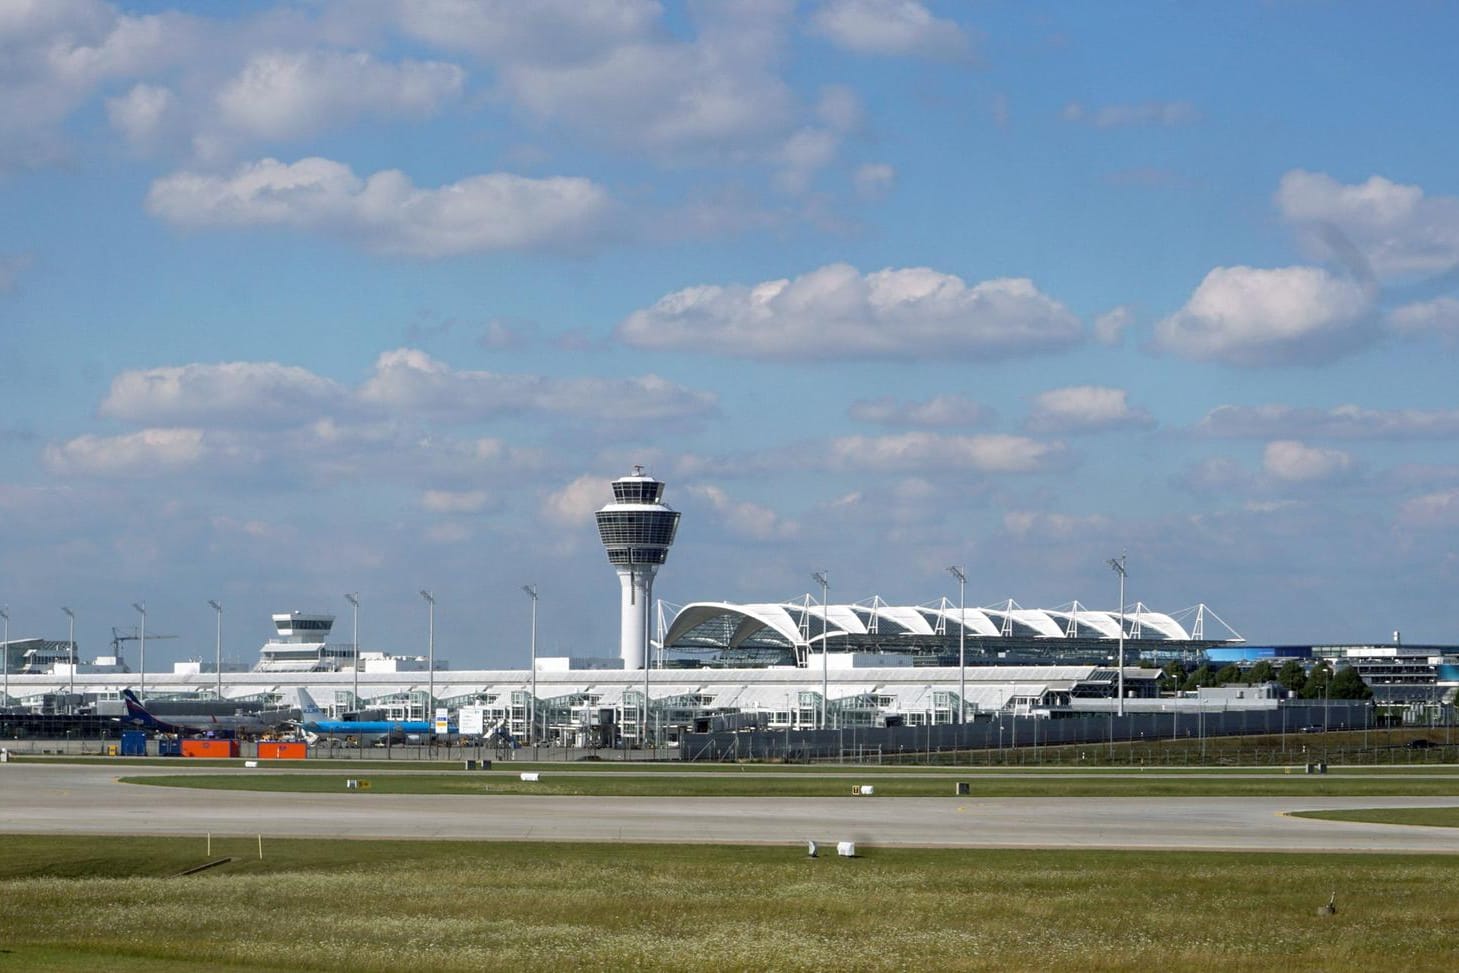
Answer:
(5, 614)
(962, 632)
(71, 652)
(1119, 568)
(531, 590)
(354, 600)
(218, 650)
(430, 657)
(141, 649)
(647, 663)
(820, 578)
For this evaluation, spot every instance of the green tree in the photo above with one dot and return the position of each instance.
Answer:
(1200, 677)
(1172, 674)
(1318, 681)
(1260, 673)
(1228, 674)
(1347, 684)
(1292, 675)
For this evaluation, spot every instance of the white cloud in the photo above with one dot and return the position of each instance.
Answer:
(1296, 462)
(1161, 113)
(544, 30)
(1216, 476)
(454, 501)
(743, 518)
(717, 94)
(837, 313)
(1375, 227)
(940, 410)
(889, 28)
(912, 451)
(288, 94)
(1110, 327)
(1251, 316)
(804, 154)
(1338, 422)
(143, 114)
(55, 55)
(230, 393)
(810, 149)
(1045, 525)
(1439, 316)
(1085, 408)
(150, 452)
(385, 212)
(575, 503)
(411, 381)
(874, 180)
(839, 109)
(448, 533)
(1440, 509)
(405, 383)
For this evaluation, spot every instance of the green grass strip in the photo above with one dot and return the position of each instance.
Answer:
(487, 785)
(1433, 817)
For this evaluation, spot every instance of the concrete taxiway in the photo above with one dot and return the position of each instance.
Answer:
(87, 799)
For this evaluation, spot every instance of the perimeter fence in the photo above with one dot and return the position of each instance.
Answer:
(1009, 739)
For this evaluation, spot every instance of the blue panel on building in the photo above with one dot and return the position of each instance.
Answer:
(1256, 653)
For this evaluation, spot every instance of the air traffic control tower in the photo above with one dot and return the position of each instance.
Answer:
(637, 530)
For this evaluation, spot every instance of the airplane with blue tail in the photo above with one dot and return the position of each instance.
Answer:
(312, 719)
(139, 715)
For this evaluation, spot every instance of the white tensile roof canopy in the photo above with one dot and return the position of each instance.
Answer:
(805, 622)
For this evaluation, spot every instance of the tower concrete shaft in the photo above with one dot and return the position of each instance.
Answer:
(637, 530)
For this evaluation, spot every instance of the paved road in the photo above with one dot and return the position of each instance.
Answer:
(78, 799)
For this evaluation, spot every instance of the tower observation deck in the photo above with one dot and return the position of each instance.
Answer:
(637, 530)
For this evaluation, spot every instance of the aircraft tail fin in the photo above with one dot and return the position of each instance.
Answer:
(138, 713)
(309, 711)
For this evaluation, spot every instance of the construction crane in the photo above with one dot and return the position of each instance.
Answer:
(117, 638)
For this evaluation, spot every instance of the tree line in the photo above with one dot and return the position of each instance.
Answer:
(1319, 682)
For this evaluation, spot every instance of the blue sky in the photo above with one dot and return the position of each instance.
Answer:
(301, 299)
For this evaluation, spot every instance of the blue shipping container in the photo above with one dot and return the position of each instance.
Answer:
(169, 748)
(134, 743)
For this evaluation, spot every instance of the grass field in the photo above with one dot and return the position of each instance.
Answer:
(81, 904)
(906, 784)
(1434, 817)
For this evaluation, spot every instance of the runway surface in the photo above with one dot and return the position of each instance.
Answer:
(81, 799)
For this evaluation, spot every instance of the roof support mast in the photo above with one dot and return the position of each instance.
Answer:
(1119, 568)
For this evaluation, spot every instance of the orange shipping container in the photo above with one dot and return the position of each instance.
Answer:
(283, 751)
(210, 748)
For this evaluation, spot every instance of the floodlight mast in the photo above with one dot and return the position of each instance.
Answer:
(71, 654)
(962, 633)
(430, 657)
(218, 650)
(531, 590)
(1118, 564)
(141, 649)
(353, 598)
(819, 577)
(5, 660)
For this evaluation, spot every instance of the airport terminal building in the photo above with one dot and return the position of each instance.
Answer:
(796, 664)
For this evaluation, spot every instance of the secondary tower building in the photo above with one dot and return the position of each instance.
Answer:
(637, 530)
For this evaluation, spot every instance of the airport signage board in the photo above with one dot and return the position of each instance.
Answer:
(472, 720)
